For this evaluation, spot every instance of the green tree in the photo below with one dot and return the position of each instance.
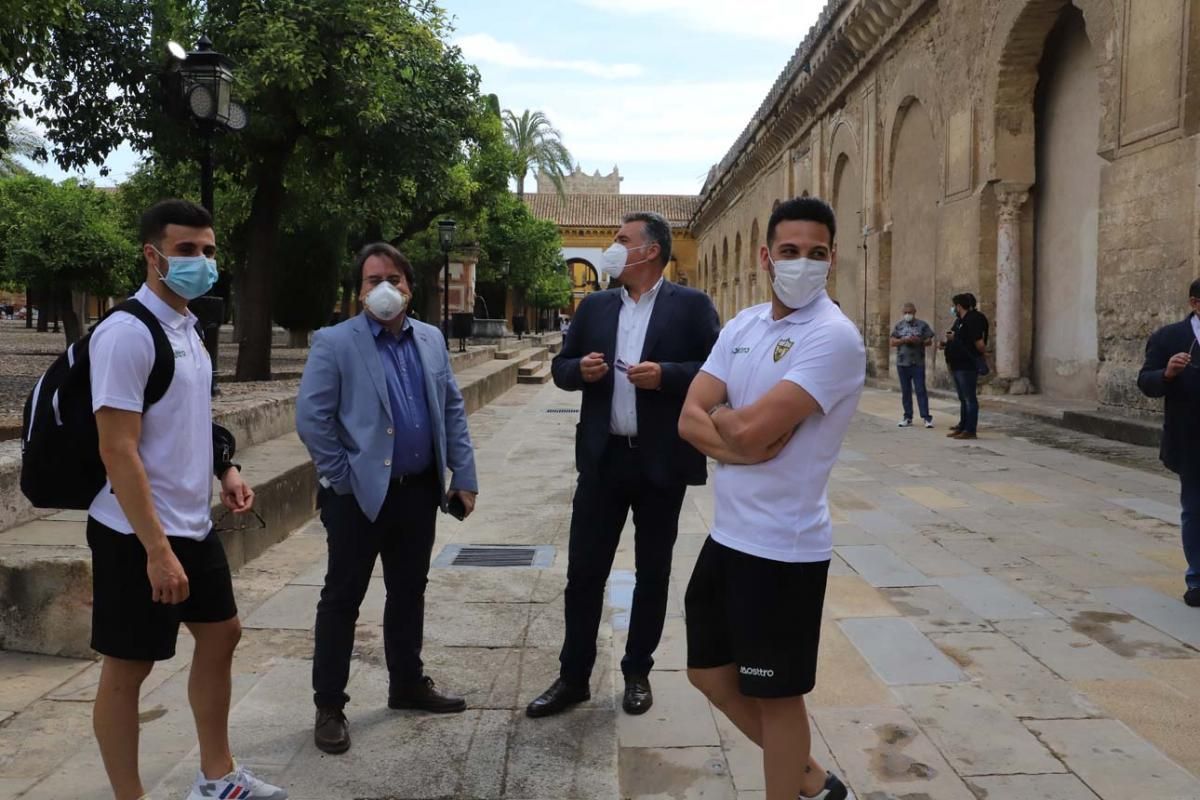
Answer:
(64, 238)
(550, 290)
(536, 144)
(311, 258)
(26, 33)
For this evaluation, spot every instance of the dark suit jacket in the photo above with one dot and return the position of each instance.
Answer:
(1180, 449)
(682, 331)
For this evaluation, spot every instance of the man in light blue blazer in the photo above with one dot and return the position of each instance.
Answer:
(384, 420)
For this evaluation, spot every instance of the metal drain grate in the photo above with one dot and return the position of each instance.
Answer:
(475, 555)
(562, 410)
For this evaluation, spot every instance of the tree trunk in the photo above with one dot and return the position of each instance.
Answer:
(520, 186)
(254, 354)
(28, 307)
(65, 308)
(43, 308)
(298, 339)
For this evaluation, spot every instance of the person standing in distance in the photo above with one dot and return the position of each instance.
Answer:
(155, 561)
(772, 405)
(632, 351)
(383, 418)
(910, 337)
(965, 344)
(1172, 371)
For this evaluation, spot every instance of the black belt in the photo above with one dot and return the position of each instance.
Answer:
(625, 441)
(414, 477)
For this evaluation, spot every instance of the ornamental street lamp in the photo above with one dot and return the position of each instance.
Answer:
(446, 229)
(198, 87)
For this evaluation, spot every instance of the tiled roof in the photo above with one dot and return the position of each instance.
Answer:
(606, 210)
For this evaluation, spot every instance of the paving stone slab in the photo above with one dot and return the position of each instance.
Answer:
(991, 598)
(1030, 787)
(1114, 761)
(680, 717)
(933, 610)
(571, 756)
(675, 773)
(899, 653)
(1067, 652)
(974, 733)
(26, 677)
(881, 567)
(880, 523)
(884, 755)
(1168, 614)
(1148, 508)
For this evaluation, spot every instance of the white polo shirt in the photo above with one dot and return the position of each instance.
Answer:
(777, 509)
(176, 443)
(632, 324)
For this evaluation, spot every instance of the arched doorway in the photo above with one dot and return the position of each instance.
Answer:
(758, 282)
(584, 280)
(723, 302)
(1067, 202)
(915, 188)
(847, 282)
(739, 280)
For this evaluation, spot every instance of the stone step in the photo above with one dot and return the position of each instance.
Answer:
(531, 373)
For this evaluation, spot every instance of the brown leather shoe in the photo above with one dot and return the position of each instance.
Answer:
(557, 699)
(953, 434)
(638, 697)
(965, 435)
(423, 696)
(331, 733)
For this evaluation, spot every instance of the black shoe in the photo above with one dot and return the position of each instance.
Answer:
(331, 733)
(834, 789)
(557, 699)
(1192, 597)
(424, 697)
(638, 697)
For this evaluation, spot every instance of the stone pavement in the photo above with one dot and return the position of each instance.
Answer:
(1002, 622)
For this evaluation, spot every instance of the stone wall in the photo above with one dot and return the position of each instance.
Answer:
(579, 182)
(921, 121)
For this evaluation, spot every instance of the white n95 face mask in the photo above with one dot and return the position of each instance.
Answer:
(612, 260)
(386, 302)
(799, 281)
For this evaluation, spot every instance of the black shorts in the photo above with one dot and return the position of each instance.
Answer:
(760, 615)
(126, 622)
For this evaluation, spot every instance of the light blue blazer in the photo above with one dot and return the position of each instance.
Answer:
(343, 415)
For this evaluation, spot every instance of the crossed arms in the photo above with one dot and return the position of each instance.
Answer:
(748, 435)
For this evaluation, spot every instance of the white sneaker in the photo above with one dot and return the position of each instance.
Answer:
(905, 423)
(928, 423)
(237, 785)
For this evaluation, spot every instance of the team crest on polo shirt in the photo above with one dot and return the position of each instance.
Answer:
(782, 347)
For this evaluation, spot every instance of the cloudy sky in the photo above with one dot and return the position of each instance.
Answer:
(659, 87)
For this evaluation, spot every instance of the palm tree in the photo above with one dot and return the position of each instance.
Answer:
(537, 145)
(22, 141)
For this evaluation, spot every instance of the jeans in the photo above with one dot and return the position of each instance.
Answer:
(965, 382)
(910, 377)
(1189, 495)
(601, 504)
(402, 536)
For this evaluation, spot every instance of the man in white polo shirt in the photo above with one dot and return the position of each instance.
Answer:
(772, 405)
(155, 561)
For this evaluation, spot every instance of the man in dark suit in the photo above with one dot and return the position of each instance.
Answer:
(1172, 371)
(633, 352)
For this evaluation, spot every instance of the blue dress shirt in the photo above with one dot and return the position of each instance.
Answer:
(412, 443)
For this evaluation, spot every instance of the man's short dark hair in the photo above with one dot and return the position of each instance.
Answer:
(1194, 289)
(391, 254)
(157, 217)
(811, 209)
(658, 230)
(966, 300)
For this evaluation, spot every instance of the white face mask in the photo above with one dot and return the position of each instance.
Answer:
(386, 302)
(612, 260)
(799, 281)
(909, 317)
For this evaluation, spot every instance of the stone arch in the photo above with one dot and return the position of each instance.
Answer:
(711, 286)
(739, 281)
(757, 283)
(915, 82)
(723, 289)
(847, 281)
(1014, 52)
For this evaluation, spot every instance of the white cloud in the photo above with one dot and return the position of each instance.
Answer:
(771, 20)
(480, 47)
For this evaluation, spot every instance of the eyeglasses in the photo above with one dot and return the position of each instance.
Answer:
(233, 523)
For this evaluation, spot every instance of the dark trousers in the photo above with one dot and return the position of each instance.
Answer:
(403, 536)
(965, 382)
(1189, 495)
(910, 378)
(601, 505)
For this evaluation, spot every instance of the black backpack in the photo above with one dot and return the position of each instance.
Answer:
(60, 446)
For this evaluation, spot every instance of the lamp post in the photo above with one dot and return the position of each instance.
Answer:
(198, 87)
(446, 229)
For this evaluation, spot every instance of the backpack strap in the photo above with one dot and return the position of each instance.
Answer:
(163, 371)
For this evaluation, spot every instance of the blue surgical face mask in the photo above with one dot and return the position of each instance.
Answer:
(188, 276)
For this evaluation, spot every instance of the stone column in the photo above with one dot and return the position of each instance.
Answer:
(1007, 329)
